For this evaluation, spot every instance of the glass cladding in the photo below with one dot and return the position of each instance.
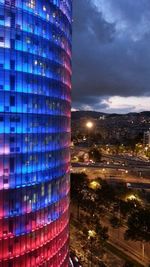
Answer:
(35, 85)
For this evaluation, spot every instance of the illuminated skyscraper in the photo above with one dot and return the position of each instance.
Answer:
(35, 83)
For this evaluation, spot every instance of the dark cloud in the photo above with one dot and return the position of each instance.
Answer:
(111, 54)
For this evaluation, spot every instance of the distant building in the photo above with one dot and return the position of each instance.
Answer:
(103, 117)
(146, 138)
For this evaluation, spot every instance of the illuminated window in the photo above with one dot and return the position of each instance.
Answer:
(31, 4)
(44, 8)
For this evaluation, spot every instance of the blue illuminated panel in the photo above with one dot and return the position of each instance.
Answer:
(35, 84)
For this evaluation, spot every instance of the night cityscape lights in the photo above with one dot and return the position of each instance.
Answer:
(35, 83)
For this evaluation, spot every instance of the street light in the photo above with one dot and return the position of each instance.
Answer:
(89, 126)
(132, 197)
(94, 185)
(146, 151)
(91, 236)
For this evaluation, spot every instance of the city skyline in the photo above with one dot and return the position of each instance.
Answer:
(111, 55)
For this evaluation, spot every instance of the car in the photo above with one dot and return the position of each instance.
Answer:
(74, 261)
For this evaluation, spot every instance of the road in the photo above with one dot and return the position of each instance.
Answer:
(130, 159)
(75, 151)
(112, 175)
(131, 248)
(111, 166)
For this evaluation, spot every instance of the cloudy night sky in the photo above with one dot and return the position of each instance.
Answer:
(111, 55)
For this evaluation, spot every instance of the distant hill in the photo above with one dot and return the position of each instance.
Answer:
(91, 114)
(81, 114)
(95, 114)
(145, 113)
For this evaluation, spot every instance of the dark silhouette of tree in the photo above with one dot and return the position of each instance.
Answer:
(115, 222)
(81, 158)
(95, 155)
(106, 193)
(127, 207)
(102, 233)
(139, 225)
(128, 264)
(79, 183)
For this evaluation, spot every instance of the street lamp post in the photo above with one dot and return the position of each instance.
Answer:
(89, 126)
(91, 236)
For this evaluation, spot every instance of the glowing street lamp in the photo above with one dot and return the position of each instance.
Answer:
(146, 150)
(132, 197)
(91, 236)
(89, 124)
(94, 185)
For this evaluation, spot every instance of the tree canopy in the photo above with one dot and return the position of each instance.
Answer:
(139, 226)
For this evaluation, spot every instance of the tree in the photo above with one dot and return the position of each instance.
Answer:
(95, 155)
(101, 232)
(97, 236)
(106, 193)
(103, 235)
(78, 184)
(115, 222)
(139, 226)
(101, 264)
(127, 207)
(78, 181)
(128, 264)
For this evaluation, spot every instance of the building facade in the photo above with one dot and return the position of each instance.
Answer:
(35, 83)
(146, 138)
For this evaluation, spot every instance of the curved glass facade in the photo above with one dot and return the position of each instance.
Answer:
(35, 84)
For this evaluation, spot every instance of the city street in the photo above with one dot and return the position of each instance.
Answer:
(131, 249)
(77, 243)
(112, 175)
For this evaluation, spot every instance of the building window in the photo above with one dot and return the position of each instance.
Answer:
(12, 100)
